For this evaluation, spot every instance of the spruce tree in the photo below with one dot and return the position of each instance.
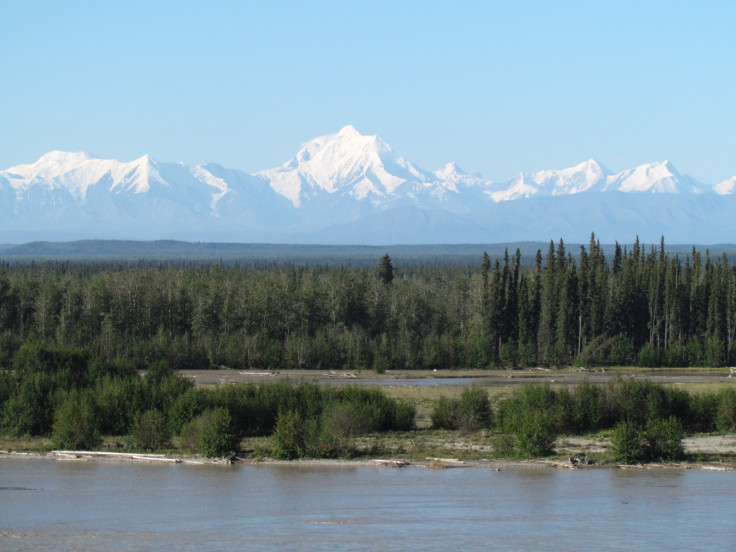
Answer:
(386, 270)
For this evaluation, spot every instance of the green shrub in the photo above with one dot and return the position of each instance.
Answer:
(535, 435)
(474, 409)
(186, 408)
(289, 436)
(659, 440)
(588, 408)
(151, 431)
(325, 443)
(75, 423)
(664, 439)
(68, 366)
(445, 413)
(211, 434)
(716, 352)
(639, 401)
(380, 364)
(704, 410)
(649, 356)
(504, 446)
(532, 399)
(628, 443)
(405, 417)
(343, 421)
(28, 410)
(119, 401)
(725, 419)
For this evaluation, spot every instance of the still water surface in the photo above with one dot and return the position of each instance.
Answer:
(46, 505)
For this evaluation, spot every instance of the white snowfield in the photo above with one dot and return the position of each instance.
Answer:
(335, 180)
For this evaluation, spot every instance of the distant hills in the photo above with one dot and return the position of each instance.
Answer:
(347, 188)
(179, 252)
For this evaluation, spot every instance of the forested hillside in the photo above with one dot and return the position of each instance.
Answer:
(638, 306)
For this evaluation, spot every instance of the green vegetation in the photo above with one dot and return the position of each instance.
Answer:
(75, 337)
(637, 308)
(471, 412)
(89, 402)
(660, 439)
(87, 398)
(647, 420)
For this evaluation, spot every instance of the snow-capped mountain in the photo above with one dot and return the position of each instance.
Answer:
(63, 176)
(654, 178)
(591, 176)
(350, 188)
(581, 178)
(726, 187)
(350, 165)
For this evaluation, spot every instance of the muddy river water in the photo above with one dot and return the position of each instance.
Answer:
(53, 505)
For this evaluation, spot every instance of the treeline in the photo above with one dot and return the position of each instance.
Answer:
(76, 399)
(638, 307)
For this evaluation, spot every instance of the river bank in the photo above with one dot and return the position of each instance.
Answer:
(704, 452)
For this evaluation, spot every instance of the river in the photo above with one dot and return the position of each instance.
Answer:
(106, 506)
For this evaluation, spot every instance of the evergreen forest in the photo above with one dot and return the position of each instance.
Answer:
(641, 306)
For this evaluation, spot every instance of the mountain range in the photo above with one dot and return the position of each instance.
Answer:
(348, 188)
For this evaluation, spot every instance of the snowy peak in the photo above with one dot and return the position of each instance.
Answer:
(63, 178)
(653, 178)
(453, 173)
(333, 180)
(573, 180)
(349, 130)
(591, 176)
(727, 187)
(57, 162)
(346, 162)
(516, 188)
(76, 172)
(580, 178)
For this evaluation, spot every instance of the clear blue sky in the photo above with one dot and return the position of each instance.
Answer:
(498, 87)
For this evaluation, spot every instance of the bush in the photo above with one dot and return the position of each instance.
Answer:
(445, 413)
(343, 421)
(119, 401)
(628, 443)
(531, 399)
(533, 415)
(716, 352)
(27, 409)
(704, 410)
(725, 419)
(186, 408)
(659, 440)
(649, 356)
(639, 401)
(535, 435)
(333, 436)
(405, 416)
(211, 434)
(504, 446)
(474, 409)
(664, 439)
(151, 431)
(75, 423)
(289, 440)
(588, 412)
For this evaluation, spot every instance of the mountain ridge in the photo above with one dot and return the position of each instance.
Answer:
(345, 184)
